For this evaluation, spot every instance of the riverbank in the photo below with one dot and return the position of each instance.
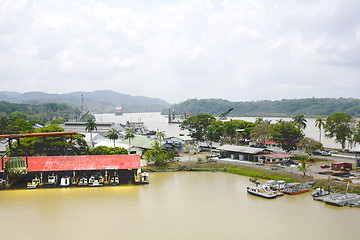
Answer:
(249, 171)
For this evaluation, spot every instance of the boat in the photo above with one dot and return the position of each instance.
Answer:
(95, 182)
(2, 183)
(83, 181)
(276, 185)
(263, 191)
(144, 178)
(296, 188)
(319, 193)
(118, 111)
(33, 184)
(51, 181)
(65, 181)
(114, 180)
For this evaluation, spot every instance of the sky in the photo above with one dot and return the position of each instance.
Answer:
(239, 50)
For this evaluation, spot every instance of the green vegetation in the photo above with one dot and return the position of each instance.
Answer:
(310, 107)
(40, 114)
(338, 126)
(103, 150)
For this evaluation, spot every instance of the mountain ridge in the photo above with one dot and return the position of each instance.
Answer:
(99, 101)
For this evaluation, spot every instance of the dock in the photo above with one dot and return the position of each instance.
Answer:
(340, 199)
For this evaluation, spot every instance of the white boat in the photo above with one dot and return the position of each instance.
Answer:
(276, 185)
(33, 184)
(83, 181)
(264, 191)
(144, 178)
(114, 180)
(65, 182)
(94, 182)
(319, 193)
(51, 180)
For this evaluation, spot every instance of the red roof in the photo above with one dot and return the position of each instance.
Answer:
(277, 155)
(83, 162)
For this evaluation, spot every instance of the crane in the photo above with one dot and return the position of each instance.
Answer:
(224, 114)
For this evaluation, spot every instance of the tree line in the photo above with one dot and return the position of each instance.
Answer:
(310, 107)
(289, 134)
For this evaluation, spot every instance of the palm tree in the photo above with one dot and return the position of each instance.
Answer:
(113, 134)
(303, 167)
(160, 135)
(129, 135)
(300, 119)
(320, 123)
(90, 127)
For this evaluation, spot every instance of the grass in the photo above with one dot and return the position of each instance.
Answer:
(261, 173)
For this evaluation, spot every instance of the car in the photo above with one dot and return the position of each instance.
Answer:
(212, 160)
(326, 153)
(324, 166)
(317, 153)
(176, 159)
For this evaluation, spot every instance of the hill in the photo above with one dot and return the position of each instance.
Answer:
(102, 101)
(309, 107)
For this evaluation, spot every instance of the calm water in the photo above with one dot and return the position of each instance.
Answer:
(154, 121)
(173, 206)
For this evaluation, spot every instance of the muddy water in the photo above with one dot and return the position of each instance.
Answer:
(173, 206)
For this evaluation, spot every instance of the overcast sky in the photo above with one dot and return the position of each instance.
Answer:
(175, 50)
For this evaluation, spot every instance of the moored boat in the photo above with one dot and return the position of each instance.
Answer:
(296, 188)
(319, 193)
(144, 178)
(83, 181)
(263, 191)
(33, 184)
(65, 181)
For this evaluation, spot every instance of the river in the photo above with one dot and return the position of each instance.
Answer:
(154, 121)
(182, 205)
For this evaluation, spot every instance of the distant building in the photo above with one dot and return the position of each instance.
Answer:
(241, 153)
(276, 157)
(341, 166)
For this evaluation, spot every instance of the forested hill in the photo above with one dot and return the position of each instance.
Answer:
(309, 107)
(102, 101)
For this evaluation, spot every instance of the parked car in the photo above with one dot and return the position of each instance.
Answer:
(176, 159)
(326, 153)
(212, 160)
(324, 166)
(316, 153)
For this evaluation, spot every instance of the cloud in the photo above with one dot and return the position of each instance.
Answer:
(174, 50)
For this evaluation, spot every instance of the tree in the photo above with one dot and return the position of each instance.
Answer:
(260, 132)
(90, 127)
(300, 119)
(319, 123)
(160, 135)
(338, 126)
(103, 150)
(113, 134)
(309, 145)
(303, 167)
(54, 145)
(21, 125)
(129, 135)
(4, 123)
(197, 125)
(214, 131)
(230, 130)
(158, 153)
(287, 134)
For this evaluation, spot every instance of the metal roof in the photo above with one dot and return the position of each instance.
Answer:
(277, 155)
(241, 149)
(83, 162)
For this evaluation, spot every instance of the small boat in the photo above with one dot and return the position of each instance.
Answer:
(319, 193)
(276, 185)
(94, 182)
(65, 181)
(114, 180)
(51, 181)
(144, 178)
(296, 188)
(264, 191)
(83, 181)
(33, 184)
